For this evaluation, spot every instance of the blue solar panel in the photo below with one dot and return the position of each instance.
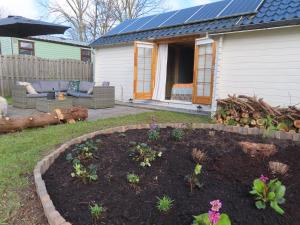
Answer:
(182, 16)
(158, 20)
(120, 27)
(136, 25)
(241, 6)
(209, 11)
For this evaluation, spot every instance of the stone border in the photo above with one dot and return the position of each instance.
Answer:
(54, 217)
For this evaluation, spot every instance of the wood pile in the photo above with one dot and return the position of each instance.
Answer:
(58, 116)
(255, 112)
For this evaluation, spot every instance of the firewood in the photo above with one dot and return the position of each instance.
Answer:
(43, 119)
(297, 124)
(256, 115)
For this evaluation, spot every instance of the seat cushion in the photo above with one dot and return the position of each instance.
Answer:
(40, 95)
(63, 85)
(79, 94)
(49, 85)
(29, 88)
(36, 85)
(85, 86)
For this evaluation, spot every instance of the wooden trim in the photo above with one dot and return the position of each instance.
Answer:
(29, 49)
(203, 99)
(177, 39)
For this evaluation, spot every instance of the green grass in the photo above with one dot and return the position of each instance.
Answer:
(9, 100)
(19, 152)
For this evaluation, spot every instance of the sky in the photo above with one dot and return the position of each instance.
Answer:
(32, 9)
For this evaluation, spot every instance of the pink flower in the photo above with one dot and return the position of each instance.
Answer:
(214, 217)
(216, 205)
(264, 179)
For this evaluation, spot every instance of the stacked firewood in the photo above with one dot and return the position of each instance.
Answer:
(255, 112)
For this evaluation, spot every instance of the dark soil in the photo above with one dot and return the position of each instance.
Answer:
(227, 175)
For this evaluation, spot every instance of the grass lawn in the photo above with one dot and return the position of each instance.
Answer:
(19, 152)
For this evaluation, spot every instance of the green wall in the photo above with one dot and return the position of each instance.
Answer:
(43, 49)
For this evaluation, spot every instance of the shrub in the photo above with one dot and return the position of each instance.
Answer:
(132, 178)
(213, 217)
(265, 192)
(194, 178)
(154, 132)
(96, 211)
(177, 134)
(164, 204)
(144, 154)
(85, 174)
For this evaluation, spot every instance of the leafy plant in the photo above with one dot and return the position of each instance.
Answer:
(213, 217)
(194, 178)
(153, 134)
(85, 174)
(177, 134)
(164, 204)
(96, 211)
(133, 178)
(144, 154)
(82, 151)
(265, 192)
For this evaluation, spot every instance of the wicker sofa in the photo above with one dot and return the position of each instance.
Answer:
(101, 96)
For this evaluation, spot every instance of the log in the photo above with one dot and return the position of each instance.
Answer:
(43, 119)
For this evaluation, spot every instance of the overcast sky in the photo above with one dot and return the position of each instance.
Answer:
(31, 8)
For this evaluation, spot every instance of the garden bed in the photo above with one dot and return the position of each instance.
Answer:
(227, 174)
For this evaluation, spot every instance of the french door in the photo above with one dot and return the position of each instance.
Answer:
(204, 69)
(144, 69)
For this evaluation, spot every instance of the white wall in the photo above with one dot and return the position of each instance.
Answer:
(116, 65)
(263, 63)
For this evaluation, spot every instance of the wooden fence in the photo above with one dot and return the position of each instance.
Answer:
(28, 68)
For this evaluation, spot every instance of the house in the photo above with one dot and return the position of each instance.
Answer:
(193, 56)
(49, 47)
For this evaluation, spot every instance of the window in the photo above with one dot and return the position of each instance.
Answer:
(86, 55)
(26, 48)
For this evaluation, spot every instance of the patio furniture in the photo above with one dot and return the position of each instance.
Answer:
(46, 105)
(88, 95)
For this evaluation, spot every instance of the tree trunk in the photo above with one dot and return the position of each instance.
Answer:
(43, 119)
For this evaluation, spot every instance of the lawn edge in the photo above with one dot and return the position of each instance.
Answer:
(55, 218)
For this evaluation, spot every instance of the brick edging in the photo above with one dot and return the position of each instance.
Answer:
(54, 217)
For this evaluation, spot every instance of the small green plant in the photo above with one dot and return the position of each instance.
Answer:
(177, 134)
(164, 204)
(96, 211)
(194, 178)
(133, 178)
(144, 154)
(154, 132)
(85, 174)
(213, 217)
(82, 152)
(265, 192)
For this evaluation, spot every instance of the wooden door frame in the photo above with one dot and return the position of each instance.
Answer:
(153, 72)
(203, 99)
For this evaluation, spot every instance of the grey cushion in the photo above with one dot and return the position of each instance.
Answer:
(79, 94)
(36, 85)
(49, 85)
(84, 86)
(63, 85)
(41, 95)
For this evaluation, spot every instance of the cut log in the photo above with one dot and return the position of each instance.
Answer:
(297, 124)
(43, 119)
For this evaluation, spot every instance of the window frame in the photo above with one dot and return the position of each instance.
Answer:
(84, 55)
(28, 49)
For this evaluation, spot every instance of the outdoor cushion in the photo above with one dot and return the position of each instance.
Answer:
(29, 88)
(85, 86)
(63, 85)
(49, 85)
(41, 95)
(73, 86)
(36, 85)
(79, 94)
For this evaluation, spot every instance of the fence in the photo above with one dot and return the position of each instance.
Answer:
(28, 68)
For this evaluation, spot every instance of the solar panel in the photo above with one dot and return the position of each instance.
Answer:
(241, 7)
(209, 11)
(182, 16)
(139, 23)
(158, 20)
(120, 27)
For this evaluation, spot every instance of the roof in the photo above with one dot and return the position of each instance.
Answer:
(60, 40)
(272, 13)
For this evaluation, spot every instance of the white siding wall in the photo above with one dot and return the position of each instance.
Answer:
(116, 65)
(263, 63)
